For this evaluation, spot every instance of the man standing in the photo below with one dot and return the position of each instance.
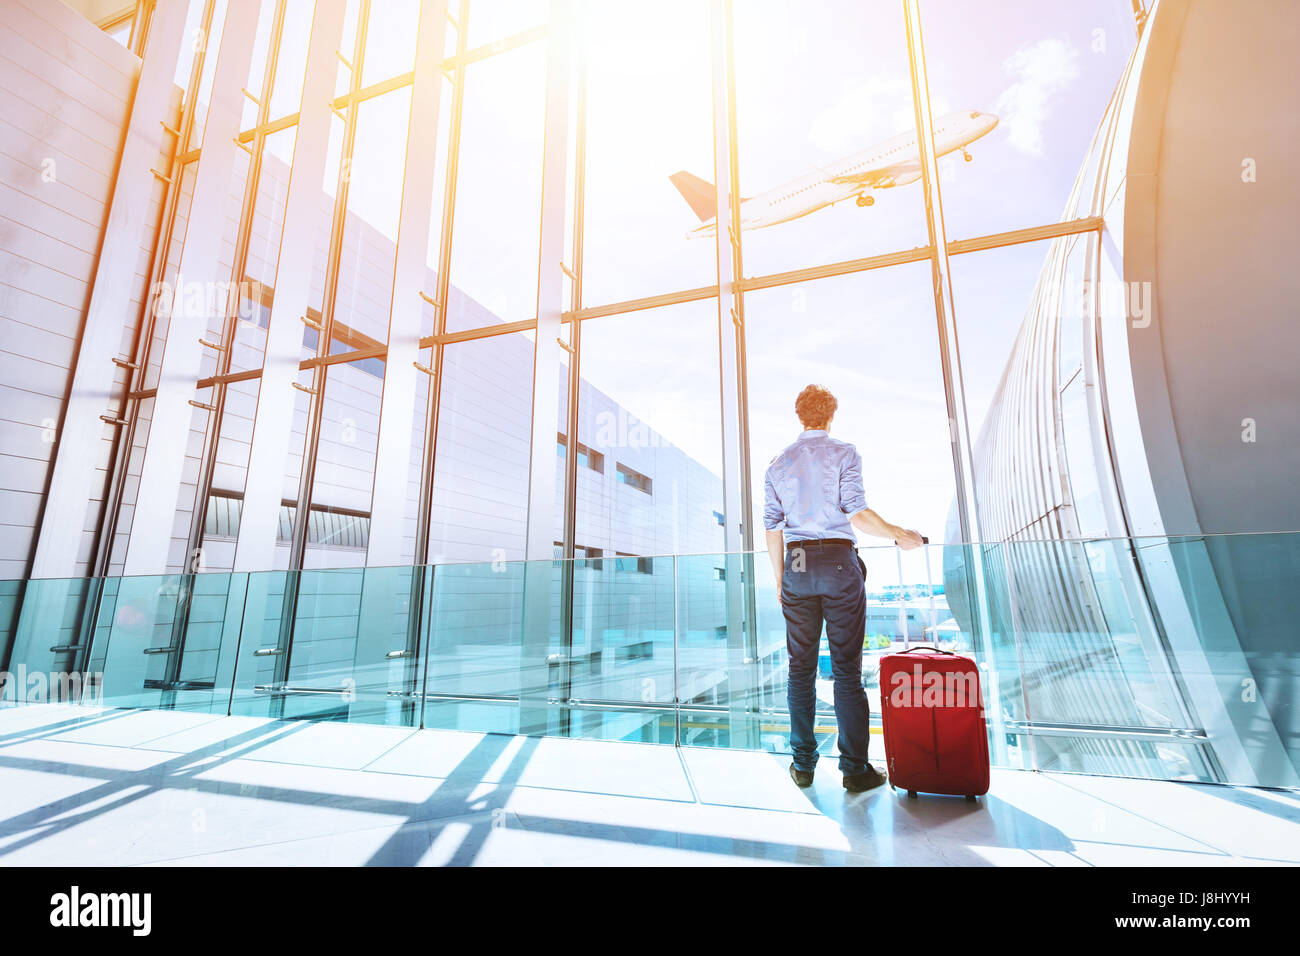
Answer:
(813, 501)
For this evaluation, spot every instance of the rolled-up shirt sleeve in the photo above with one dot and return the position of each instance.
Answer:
(773, 513)
(853, 498)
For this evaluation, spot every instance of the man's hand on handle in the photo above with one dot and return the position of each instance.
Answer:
(909, 540)
(868, 522)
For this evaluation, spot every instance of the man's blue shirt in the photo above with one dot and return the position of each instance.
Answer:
(813, 488)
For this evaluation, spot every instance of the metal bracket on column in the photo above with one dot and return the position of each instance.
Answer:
(426, 298)
(242, 145)
(343, 59)
(113, 420)
(207, 408)
(312, 324)
(568, 272)
(423, 368)
(212, 345)
(124, 364)
(565, 345)
(169, 128)
(165, 178)
(337, 112)
(735, 318)
(304, 388)
(452, 21)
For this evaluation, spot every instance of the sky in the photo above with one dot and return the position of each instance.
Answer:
(815, 81)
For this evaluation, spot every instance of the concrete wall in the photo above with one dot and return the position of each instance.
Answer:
(67, 89)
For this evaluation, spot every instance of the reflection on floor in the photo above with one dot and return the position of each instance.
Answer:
(112, 787)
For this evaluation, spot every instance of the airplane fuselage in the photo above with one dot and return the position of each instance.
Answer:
(893, 162)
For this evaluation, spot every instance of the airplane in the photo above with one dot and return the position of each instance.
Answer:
(894, 162)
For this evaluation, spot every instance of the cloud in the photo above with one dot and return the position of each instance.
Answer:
(1039, 72)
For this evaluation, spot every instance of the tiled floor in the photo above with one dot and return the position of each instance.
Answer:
(112, 787)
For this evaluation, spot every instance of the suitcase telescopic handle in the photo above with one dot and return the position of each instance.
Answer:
(936, 650)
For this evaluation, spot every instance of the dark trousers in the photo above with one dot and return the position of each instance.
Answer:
(826, 583)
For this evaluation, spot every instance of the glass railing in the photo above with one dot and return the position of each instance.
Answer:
(1168, 658)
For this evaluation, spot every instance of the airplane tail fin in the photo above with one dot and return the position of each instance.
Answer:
(699, 195)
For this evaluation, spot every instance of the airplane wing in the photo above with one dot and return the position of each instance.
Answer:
(883, 177)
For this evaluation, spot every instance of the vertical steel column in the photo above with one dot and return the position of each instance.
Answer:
(316, 394)
(397, 405)
(433, 399)
(125, 230)
(546, 380)
(570, 515)
(736, 535)
(117, 473)
(230, 333)
(169, 428)
(950, 359)
(393, 447)
(273, 421)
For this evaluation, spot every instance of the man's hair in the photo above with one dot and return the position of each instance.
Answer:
(815, 406)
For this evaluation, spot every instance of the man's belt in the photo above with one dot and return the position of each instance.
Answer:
(820, 543)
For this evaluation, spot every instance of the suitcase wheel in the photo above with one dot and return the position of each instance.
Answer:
(911, 794)
(970, 798)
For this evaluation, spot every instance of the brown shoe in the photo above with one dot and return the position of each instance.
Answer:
(869, 779)
(803, 778)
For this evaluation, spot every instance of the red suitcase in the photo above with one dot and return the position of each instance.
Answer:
(933, 716)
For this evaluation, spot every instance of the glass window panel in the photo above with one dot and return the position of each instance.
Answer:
(477, 667)
(391, 34)
(130, 486)
(291, 58)
(339, 521)
(648, 407)
(871, 339)
(824, 117)
(324, 223)
(192, 40)
(480, 485)
(348, 47)
(229, 474)
(257, 78)
(347, 621)
(993, 292)
(498, 191)
(210, 47)
(367, 256)
(1046, 72)
(257, 290)
(491, 20)
(622, 651)
(121, 33)
(293, 467)
(175, 246)
(429, 314)
(649, 115)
